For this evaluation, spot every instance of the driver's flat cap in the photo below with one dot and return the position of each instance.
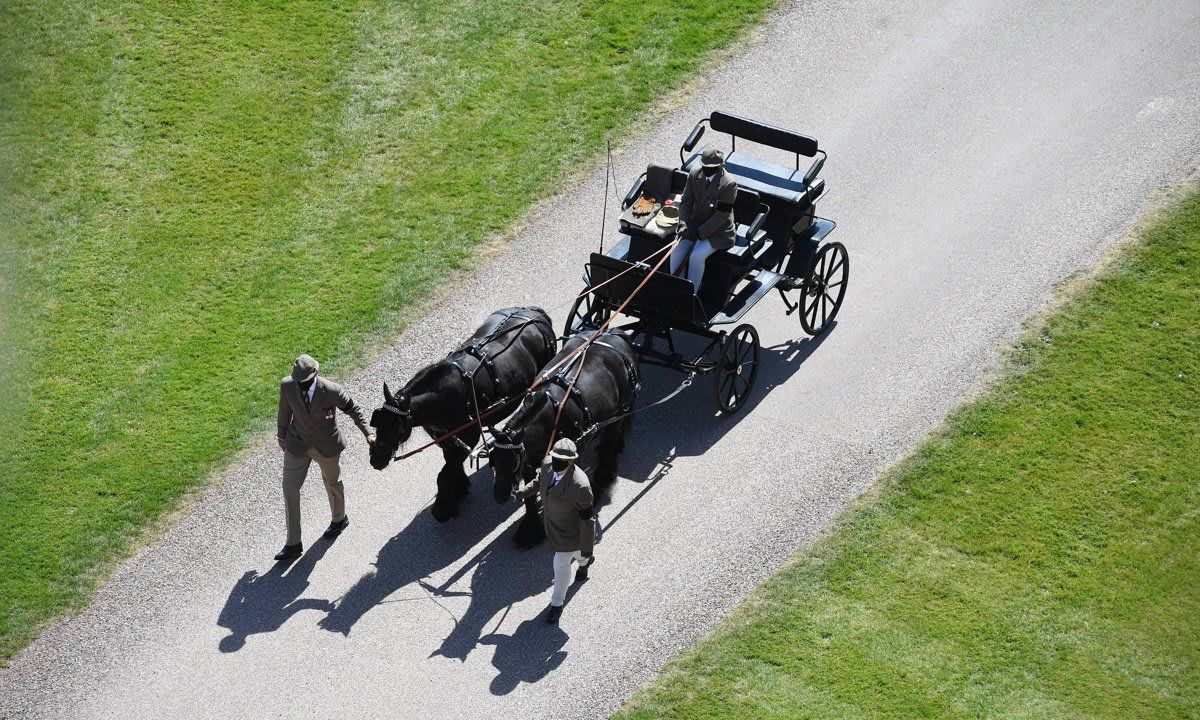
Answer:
(712, 157)
(564, 450)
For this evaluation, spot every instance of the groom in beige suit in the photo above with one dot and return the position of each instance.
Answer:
(308, 431)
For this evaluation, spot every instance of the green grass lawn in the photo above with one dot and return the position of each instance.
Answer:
(193, 193)
(1039, 557)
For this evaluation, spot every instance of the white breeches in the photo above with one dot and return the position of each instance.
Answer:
(563, 575)
(700, 250)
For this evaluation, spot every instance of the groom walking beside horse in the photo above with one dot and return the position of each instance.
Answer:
(307, 431)
(567, 511)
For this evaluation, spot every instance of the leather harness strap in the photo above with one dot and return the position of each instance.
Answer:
(485, 359)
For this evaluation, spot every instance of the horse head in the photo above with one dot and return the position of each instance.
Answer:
(393, 426)
(506, 455)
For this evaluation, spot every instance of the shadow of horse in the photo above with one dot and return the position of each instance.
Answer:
(263, 603)
(422, 548)
(658, 436)
(503, 575)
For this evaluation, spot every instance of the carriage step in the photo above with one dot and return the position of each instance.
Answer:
(745, 298)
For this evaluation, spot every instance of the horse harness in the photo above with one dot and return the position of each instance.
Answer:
(573, 393)
(486, 361)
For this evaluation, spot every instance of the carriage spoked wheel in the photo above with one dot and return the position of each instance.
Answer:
(822, 291)
(584, 314)
(737, 368)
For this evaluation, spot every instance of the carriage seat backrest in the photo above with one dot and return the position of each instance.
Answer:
(746, 206)
(679, 178)
(762, 133)
(658, 181)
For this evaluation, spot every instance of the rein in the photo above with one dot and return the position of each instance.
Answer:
(547, 374)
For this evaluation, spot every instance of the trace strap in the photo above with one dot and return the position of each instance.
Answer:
(587, 434)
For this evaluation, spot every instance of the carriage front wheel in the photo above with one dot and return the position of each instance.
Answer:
(822, 292)
(586, 314)
(737, 368)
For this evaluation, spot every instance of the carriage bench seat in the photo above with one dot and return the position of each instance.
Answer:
(767, 178)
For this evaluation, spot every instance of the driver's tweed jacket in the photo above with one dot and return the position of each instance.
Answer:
(706, 208)
(566, 529)
(315, 426)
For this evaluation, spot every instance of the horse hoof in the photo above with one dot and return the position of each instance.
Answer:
(442, 514)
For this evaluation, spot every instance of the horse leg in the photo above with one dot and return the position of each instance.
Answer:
(530, 530)
(612, 443)
(462, 481)
(451, 483)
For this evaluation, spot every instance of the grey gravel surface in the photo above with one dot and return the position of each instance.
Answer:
(980, 151)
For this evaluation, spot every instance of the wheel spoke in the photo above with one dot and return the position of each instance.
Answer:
(834, 269)
(727, 380)
(813, 312)
(745, 385)
(731, 400)
(830, 286)
(746, 349)
(824, 309)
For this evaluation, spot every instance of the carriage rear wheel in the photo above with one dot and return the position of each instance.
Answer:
(737, 368)
(585, 315)
(822, 292)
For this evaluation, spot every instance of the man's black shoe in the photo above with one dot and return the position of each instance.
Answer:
(552, 615)
(290, 552)
(336, 528)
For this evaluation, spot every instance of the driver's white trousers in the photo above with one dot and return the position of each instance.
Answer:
(700, 250)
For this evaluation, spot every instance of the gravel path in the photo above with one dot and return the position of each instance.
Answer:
(980, 152)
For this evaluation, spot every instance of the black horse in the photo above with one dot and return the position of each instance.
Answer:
(504, 356)
(605, 385)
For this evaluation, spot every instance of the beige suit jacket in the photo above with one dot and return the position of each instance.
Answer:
(315, 426)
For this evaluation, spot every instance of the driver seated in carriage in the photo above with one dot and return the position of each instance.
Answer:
(705, 216)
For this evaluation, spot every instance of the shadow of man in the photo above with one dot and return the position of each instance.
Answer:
(263, 603)
(422, 548)
(532, 652)
(503, 576)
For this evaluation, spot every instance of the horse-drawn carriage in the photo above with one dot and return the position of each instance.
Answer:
(781, 245)
(587, 387)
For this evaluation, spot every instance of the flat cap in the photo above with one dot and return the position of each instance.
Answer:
(304, 368)
(712, 157)
(564, 450)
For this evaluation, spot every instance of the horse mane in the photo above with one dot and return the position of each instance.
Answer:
(521, 416)
(423, 374)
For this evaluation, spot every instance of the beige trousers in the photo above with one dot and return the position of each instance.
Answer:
(295, 470)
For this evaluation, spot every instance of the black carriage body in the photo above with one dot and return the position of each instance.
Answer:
(780, 245)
